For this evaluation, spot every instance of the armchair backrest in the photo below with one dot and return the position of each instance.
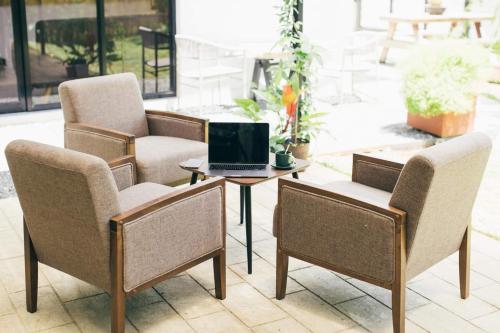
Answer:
(67, 200)
(437, 188)
(111, 101)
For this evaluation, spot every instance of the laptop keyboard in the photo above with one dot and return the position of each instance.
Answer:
(237, 167)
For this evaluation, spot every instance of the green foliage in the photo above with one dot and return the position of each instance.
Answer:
(443, 77)
(251, 109)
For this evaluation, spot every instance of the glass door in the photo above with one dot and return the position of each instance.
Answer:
(139, 39)
(11, 74)
(62, 45)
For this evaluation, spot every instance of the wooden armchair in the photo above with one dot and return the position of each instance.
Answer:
(105, 116)
(91, 221)
(391, 223)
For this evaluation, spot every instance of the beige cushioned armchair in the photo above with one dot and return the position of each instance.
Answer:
(92, 222)
(105, 116)
(390, 223)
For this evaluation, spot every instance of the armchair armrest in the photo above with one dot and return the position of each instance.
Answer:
(375, 172)
(355, 237)
(105, 143)
(124, 171)
(177, 125)
(177, 230)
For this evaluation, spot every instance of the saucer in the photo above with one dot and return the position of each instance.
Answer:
(289, 167)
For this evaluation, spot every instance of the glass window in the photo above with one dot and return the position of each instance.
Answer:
(139, 40)
(62, 44)
(9, 94)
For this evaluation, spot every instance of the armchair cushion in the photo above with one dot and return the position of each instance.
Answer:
(158, 158)
(139, 194)
(172, 235)
(111, 101)
(339, 233)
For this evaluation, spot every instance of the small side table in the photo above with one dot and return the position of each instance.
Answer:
(246, 194)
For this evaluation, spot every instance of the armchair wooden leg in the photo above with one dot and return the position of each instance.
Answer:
(31, 272)
(464, 263)
(281, 274)
(399, 284)
(398, 307)
(220, 275)
(117, 292)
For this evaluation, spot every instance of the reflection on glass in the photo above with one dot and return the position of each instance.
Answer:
(62, 44)
(8, 78)
(138, 32)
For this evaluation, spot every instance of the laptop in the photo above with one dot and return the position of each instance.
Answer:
(238, 150)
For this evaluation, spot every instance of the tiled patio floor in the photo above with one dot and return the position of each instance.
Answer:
(317, 301)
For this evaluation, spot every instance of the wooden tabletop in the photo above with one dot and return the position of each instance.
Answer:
(274, 173)
(446, 17)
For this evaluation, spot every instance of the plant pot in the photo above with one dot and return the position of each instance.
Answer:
(77, 71)
(435, 10)
(300, 150)
(444, 125)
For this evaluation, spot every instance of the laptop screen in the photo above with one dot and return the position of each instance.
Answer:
(241, 143)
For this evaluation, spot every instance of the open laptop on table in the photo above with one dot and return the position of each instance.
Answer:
(238, 150)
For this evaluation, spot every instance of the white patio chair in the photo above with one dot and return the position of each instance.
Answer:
(201, 62)
(356, 53)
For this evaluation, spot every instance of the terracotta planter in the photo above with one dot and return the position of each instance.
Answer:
(300, 150)
(445, 125)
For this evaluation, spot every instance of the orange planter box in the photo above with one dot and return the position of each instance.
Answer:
(445, 125)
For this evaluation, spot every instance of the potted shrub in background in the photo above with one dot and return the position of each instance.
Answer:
(440, 85)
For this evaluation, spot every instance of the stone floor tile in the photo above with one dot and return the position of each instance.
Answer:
(93, 314)
(490, 294)
(373, 315)
(231, 242)
(448, 296)
(157, 318)
(187, 297)
(267, 250)
(204, 275)
(67, 287)
(448, 271)
(263, 278)
(434, 318)
(50, 312)
(413, 300)
(236, 254)
(11, 244)
(11, 323)
(69, 328)
(489, 268)
(5, 304)
(357, 329)
(326, 285)
(250, 306)
(238, 231)
(486, 245)
(4, 222)
(16, 223)
(143, 298)
(490, 323)
(219, 322)
(11, 207)
(12, 276)
(315, 314)
(281, 326)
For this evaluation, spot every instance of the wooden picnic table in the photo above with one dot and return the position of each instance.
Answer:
(416, 19)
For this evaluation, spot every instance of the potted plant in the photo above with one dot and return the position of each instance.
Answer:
(440, 86)
(77, 62)
(288, 96)
(435, 7)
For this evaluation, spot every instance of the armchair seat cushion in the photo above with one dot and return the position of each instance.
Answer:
(158, 158)
(353, 190)
(139, 194)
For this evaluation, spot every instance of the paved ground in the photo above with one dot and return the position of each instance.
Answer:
(318, 300)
